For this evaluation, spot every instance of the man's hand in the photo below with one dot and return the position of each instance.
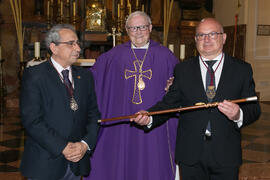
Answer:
(169, 83)
(141, 118)
(229, 109)
(75, 151)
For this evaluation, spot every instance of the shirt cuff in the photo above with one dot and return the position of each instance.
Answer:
(86, 145)
(149, 125)
(240, 120)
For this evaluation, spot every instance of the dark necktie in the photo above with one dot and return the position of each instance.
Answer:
(67, 82)
(210, 87)
(210, 80)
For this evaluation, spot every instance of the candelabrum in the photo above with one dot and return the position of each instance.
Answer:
(74, 20)
(21, 69)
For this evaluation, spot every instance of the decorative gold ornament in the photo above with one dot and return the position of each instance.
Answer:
(141, 84)
(95, 16)
(210, 92)
(73, 104)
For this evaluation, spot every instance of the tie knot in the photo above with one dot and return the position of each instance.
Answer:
(65, 73)
(210, 63)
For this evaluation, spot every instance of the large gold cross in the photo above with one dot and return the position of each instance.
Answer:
(137, 99)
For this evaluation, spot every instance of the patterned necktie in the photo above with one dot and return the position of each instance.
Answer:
(210, 88)
(67, 82)
(210, 80)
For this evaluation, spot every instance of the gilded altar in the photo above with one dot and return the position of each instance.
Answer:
(95, 16)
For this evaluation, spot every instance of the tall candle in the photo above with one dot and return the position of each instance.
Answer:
(122, 3)
(0, 52)
(137, 3)
(129, 9)
(171, 47)
(61, 8)
(48, 9)
(142, 7)
(74, 8)
(118, 10)
(182, 51)
(37, 49)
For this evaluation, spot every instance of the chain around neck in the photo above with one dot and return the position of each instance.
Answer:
(140, 64)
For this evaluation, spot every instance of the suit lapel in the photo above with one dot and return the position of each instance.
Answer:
(224, 78)
(77, 80)
(197, 77)
(57, 83)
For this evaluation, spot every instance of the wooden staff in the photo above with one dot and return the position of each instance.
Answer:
(197, 106)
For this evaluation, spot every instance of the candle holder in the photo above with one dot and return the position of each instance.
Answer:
(21, 69)
(67, 5)
(122, 17)
(37, 59)
(74, 22)
(119, 31)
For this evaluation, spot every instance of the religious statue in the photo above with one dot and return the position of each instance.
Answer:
(95, 16)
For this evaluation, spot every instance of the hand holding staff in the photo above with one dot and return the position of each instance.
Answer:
(197, 106)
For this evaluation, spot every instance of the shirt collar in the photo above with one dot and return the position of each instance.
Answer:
(58, 67)
(143, 47)
(218, 58)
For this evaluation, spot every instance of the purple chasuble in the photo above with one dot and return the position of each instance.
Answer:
(124, 151)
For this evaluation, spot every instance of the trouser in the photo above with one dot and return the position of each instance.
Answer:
(207, 168)
(68, 176)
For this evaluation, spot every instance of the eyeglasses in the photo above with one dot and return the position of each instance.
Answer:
(211, 35)
(141, 28)
(70, 43)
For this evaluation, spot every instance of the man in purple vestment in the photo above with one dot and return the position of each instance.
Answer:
(131, 77)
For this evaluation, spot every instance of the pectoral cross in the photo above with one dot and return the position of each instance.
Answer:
(137, 74)
(114, 34)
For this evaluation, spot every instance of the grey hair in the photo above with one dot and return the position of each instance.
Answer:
(138, 13)
(53, 34)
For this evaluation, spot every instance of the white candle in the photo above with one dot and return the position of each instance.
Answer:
(0, 52)
(37, 49)
(182, 51)
(171, 47)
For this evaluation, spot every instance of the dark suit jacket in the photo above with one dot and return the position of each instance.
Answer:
(50, 123)
(236, 82)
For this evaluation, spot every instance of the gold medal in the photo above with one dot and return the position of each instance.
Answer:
(141, 84)
(73, 104)
(210, 92)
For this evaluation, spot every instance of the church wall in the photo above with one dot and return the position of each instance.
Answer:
(258, 13)
(257, 49)
(225, 11)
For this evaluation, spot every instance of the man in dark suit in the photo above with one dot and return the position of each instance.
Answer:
(59, 112)
(208, 145)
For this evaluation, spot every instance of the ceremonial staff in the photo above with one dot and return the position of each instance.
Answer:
(197, 106)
